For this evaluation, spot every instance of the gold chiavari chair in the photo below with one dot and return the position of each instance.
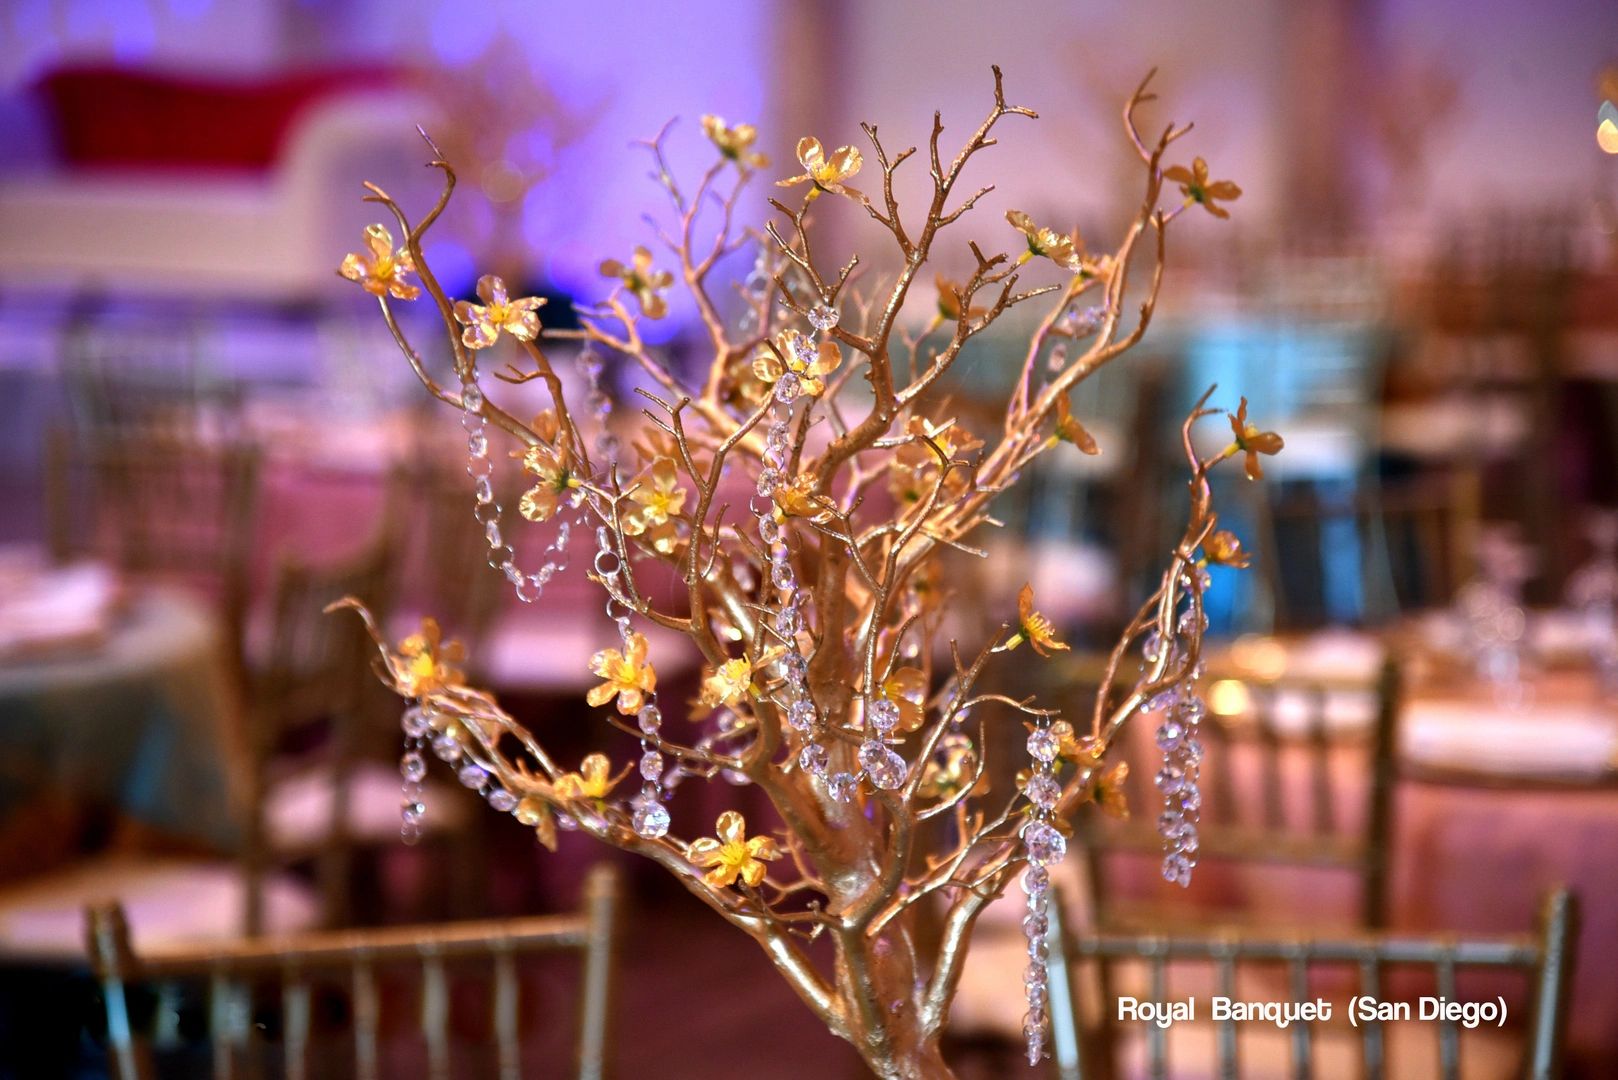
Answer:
(1088, 1037)
(1273, 786)
(161, 506)
(349, 964)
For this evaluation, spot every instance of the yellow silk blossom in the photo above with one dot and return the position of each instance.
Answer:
(734, 854)
(1224, 548)
(907, 688)
(1197, 188)
(729, 684)
(1088, 266)
(380, 270)
(1253, 442)
(1109, 791)
(594, 780)
(1043, 241)
(798, 499)
(553, 466)
(629, 677)
(1068, 429)
(734, 142)
(794, 352)
(639, 278)
(1085, 752)
(483, 322)
(1032, 627)
(659, 498)
(429, 661)
(825, 173)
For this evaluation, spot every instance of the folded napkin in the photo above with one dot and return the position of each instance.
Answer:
(56, 606)
(1557, 741)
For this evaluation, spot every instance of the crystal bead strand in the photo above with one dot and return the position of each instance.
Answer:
(801, 712)
(1182, 710)
(487, 509)
(1044, 846)
(650, 818)
(417, 725)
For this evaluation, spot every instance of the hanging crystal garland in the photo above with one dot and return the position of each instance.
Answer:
(1044, 846)
(417, 721)
(801, 713)
(1182, 710)
(487, 509)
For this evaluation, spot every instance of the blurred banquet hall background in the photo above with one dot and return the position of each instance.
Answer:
(206, 435)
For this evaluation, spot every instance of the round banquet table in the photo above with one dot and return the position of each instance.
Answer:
(140, 727)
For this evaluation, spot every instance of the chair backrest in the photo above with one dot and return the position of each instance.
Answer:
(439, 514)
(161, 505)
(348, 963)
(1301, 775)
(1084, 1029)
(1392, 546)
(315, 669)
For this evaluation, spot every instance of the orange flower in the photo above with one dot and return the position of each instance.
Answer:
(734, 854)
(1197, 188)
(1109, 792)
(1044, 241)
(593, 780)
(1224, 548)
(380, 270)
(484, 322)
(907, 688)
(1033, 627)
(734, 142)
(629, 677)
(659, 498)
(639, 278)
(1068, 428)
(825, 173)
(553, 465)
(1253, 442)
(429, 662)
(792, 351)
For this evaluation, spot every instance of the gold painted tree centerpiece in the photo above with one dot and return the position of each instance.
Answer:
(817, 613)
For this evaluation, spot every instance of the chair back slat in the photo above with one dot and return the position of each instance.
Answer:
(367, 1019)
(1372, 1050)
(1542, 957)
(323, 961)
(1225, 966)
(1321, 788)
(295, 1020)
(435, 1014)
(1298, 979)
(1157, 1043)
(505, 1015)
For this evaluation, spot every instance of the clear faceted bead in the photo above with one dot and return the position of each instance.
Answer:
(411, 813)
(1035, 881)
(786, 621)
(471, 397)
(1043, 745)
(1170, 735)
(651, 819)
(477, 444)
(1177, 869)
(447, 747)
(1044, 844)
(1192, 709)
(1192, 751)
(823, 317)
(814, 758)
(1043, 790)
(1034, 1042)
(885, 768)
(650, 718)
(769, 530)
(413, 767)
(768, 481)
(483, 490)
(1035, 924)
(502, 800)
(651, 765)
(801, 715)
(782, 577)
(788, 387)
(1170, 778)
(1190, 798)
(1035, 976)
(884, 715)
(416, 722)
(471, 775)
(795, 664)
(841, 786)
(1169, 824)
